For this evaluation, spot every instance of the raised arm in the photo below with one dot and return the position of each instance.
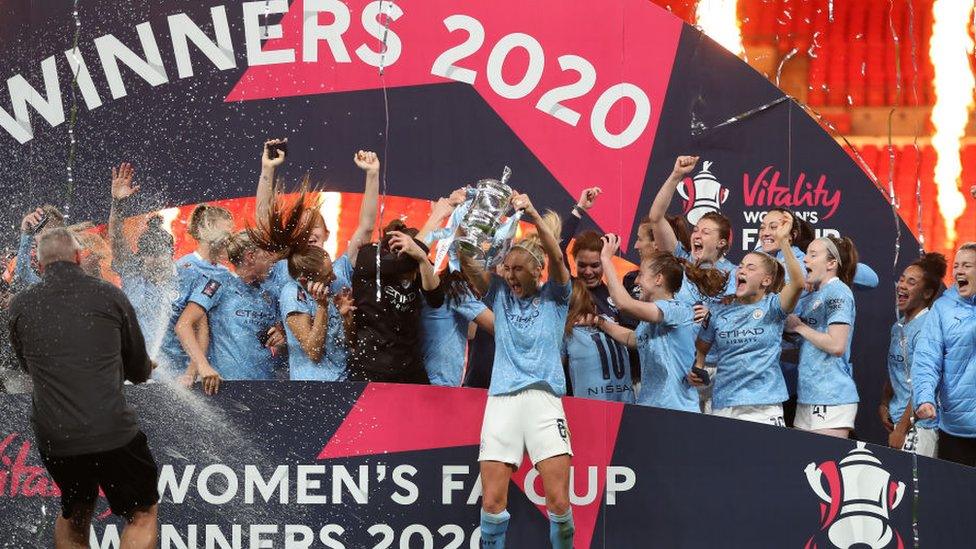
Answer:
(24, 274)
(369, 163)
(572, 220)
(311, 332)
(265, 191)
(663, 233)
(479, 276)
(558, 272)
(640, 310)
(618, 333)
(791, 292)
(122, 190)
(402, 243)
(442, 209)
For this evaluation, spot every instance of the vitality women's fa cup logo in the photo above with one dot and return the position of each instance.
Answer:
(703, 194)
(856, 503)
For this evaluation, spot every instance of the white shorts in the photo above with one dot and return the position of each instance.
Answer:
(814, 417)
(531, 419)
(770, 414)
(925, 444)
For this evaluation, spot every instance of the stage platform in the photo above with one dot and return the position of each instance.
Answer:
(306, 464)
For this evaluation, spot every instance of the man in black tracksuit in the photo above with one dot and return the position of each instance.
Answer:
(79, 340)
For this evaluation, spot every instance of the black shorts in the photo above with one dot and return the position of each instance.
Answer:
(127, 475)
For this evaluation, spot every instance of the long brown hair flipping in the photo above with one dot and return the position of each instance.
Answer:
(710, 281)
(580, 304)
(285, 230)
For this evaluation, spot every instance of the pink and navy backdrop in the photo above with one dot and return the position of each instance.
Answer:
(569, 94)
(334, 465)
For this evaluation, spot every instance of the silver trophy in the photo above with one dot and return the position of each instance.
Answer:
(491, 202)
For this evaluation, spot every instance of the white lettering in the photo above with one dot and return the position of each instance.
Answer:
(168, 483)
(79, 70)
(450, 485)
(278, 481)
(214, 536)
(23, 94)
(110, 538)
(111, 51)
(292, 531)
(341, 477)
(313, 32)
(591, 488)
(253, 33)
(257, 533)
(619, 479)
(170, 537)
(400, 474)
(183, 30)
(306, 485)
(380, 31)
(326, 533)
(203, 485)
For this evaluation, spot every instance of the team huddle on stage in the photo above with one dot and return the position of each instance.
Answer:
(688, 330)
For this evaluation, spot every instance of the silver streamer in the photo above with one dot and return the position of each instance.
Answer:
(782, 62)
(265, 33)
(911, 438)
(386, 139)
(918, 151)
(698, 127)
(73, 120)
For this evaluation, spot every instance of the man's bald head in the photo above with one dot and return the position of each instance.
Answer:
(57, 244)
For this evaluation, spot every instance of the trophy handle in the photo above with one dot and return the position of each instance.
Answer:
(899, 493)
(814, 475)
(681, 190)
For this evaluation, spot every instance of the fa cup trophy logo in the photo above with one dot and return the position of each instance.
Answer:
(859, 495)
(703, 194)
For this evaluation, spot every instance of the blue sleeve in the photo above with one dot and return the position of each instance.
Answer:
(927, 360)
(840, 305)
(560, 293)
(293, 299)
(207, 293)
(469, 307)
(680, 252)
(865, 277)
(674, 313)
(23, 272)
(774, 310)
(707, 333)
(342, 268)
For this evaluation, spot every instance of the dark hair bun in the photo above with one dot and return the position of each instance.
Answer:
(933, 263)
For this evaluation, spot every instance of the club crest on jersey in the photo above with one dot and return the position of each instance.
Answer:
(404, 284)
(816, 305)
(536, 302)
(210, 289)
(301, 295)
(757, 314)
